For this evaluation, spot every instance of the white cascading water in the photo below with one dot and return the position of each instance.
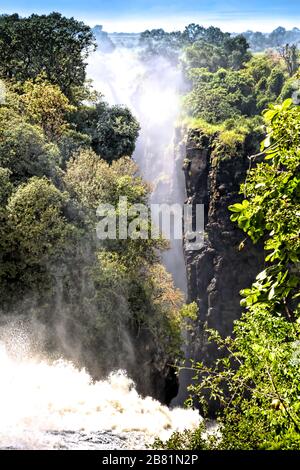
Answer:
(52, 404)
(151, 91)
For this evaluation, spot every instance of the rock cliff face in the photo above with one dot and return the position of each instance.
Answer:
(227, 262)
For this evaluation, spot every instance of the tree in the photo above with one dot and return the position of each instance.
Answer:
(226, 92)
(277, 37)
(35, 235)
(6, 187)
(290, 55)
(49, 44)
(92, 181)
(70, 144)
(36, 212)
(218, 96)
(237, 50)
(25, 151)
(257, 40)
(113, 130)
(193, 32)
(227, 51)
(46, 105)
(205, 55)
(217, 50)
(276, 81)
(158, 43)
(216, 36)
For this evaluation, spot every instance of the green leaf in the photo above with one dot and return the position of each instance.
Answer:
(271, 155)
(239, 207)
(271, 293)
(266, 143)
(287, 104)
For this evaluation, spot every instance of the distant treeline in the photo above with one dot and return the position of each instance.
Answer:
(279, 37)
(257, 40)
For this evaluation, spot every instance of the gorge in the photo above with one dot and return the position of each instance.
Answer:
(180, 166)
(186, 165)
(104, 336)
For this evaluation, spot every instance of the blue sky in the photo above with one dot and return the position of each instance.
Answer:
(137, 15)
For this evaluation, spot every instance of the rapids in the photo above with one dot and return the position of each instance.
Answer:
(48, 405)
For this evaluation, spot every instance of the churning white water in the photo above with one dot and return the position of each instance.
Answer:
(54, 405)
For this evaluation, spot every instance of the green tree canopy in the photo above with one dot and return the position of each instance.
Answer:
(45, 104)
(25, 151)
(226, 93)
(49, 44)
(113, 129)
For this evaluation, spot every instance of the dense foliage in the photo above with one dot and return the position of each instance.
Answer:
(111, 303)
(113, 129)
(50, 44)
(216, 49)
(227, 93)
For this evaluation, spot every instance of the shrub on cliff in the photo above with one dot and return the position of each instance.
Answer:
(226, 93)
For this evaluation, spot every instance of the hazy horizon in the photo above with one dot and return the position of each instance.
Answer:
(180, 27)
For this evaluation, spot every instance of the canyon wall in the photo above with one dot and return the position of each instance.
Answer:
(227, 262)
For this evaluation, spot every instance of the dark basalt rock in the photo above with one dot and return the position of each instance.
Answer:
(222, 267)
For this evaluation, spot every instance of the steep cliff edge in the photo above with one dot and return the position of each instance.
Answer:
(215, 166)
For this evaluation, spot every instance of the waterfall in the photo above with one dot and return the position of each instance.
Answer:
(151, 90)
